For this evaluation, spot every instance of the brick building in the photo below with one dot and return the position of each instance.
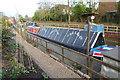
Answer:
(106, 6)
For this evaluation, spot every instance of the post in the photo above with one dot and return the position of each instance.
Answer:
(63, 54)
(30, 39)
(88, 38)
(116, 28)
(88, 43)
(89, 17)
(107, 28)
(46, 47)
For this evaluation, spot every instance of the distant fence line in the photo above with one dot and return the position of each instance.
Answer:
(107, 28)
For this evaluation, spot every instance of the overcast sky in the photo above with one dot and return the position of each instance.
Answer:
(10, 7)
(23, 7)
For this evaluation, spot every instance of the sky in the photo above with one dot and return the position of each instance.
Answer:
(24, 7)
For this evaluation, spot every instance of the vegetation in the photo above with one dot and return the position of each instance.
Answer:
(36, 16)
(11, 66)
(17, 64)
(118, 7)
(45, 76)
(79, 9)
(8, 43)
(5, 22)
(21, 18)
(59, 12)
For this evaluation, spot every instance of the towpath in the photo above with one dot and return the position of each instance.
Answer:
(53, 68)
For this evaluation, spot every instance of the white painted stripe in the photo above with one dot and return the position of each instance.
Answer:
(65, 35)
(84, 42)
(56, 34)
(60, 35)
(68, 40)
(95, 40)
(52, 32)
(69, 37)
(76, 38)
(45, 31)
(108, 48)
(92, 37)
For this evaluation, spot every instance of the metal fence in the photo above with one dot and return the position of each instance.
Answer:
(75, 60)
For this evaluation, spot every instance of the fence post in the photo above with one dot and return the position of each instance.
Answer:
(107, 29)
(90, 66)
(36, 42)
(78, 26)
(30, 38)
(27, 37)
(33, 39)
(46, 46)
(116, 28)
(63, 54)
(18, 47)
(22, 55)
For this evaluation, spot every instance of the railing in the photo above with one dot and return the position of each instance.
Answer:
(77, 26)
(107, 28)
(63, 51)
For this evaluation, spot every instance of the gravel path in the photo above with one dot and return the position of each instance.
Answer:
(53, 68)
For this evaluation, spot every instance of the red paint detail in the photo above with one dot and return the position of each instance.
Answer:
(98, 54)
(100, 49)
